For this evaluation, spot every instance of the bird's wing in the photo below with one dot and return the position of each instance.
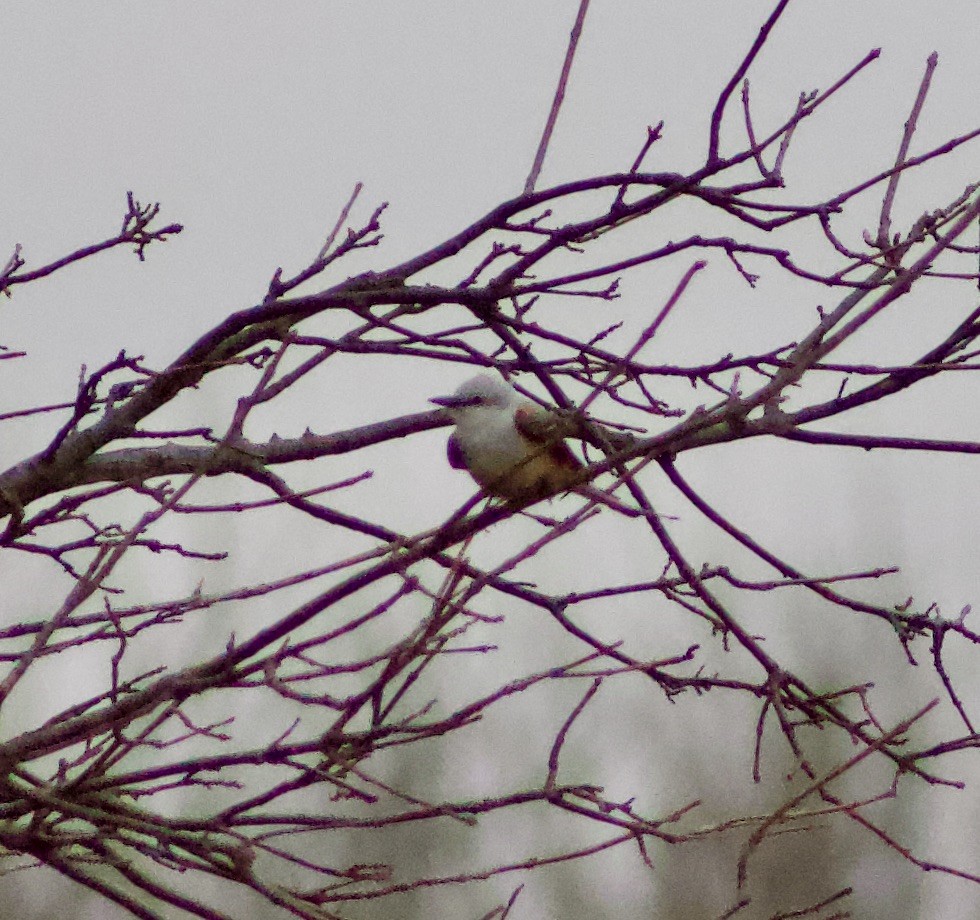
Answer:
(544, 428)
(454, 453)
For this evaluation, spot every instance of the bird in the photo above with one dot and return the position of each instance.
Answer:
(513, 448)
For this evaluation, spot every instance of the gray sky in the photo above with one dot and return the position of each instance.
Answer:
(252, 123)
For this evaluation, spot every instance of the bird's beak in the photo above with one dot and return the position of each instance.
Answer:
(454, 402)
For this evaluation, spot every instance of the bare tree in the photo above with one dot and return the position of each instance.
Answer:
(347, 653)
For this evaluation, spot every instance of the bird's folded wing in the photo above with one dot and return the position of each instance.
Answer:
(546, 429)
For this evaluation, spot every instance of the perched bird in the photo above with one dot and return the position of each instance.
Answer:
(511, 446)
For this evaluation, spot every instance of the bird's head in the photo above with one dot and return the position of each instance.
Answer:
(481, 392)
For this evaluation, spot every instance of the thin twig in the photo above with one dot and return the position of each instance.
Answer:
(559, 97)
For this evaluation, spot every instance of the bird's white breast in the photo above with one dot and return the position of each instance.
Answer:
(501, 459)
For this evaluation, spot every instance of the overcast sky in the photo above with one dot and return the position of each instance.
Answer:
(251, 124)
